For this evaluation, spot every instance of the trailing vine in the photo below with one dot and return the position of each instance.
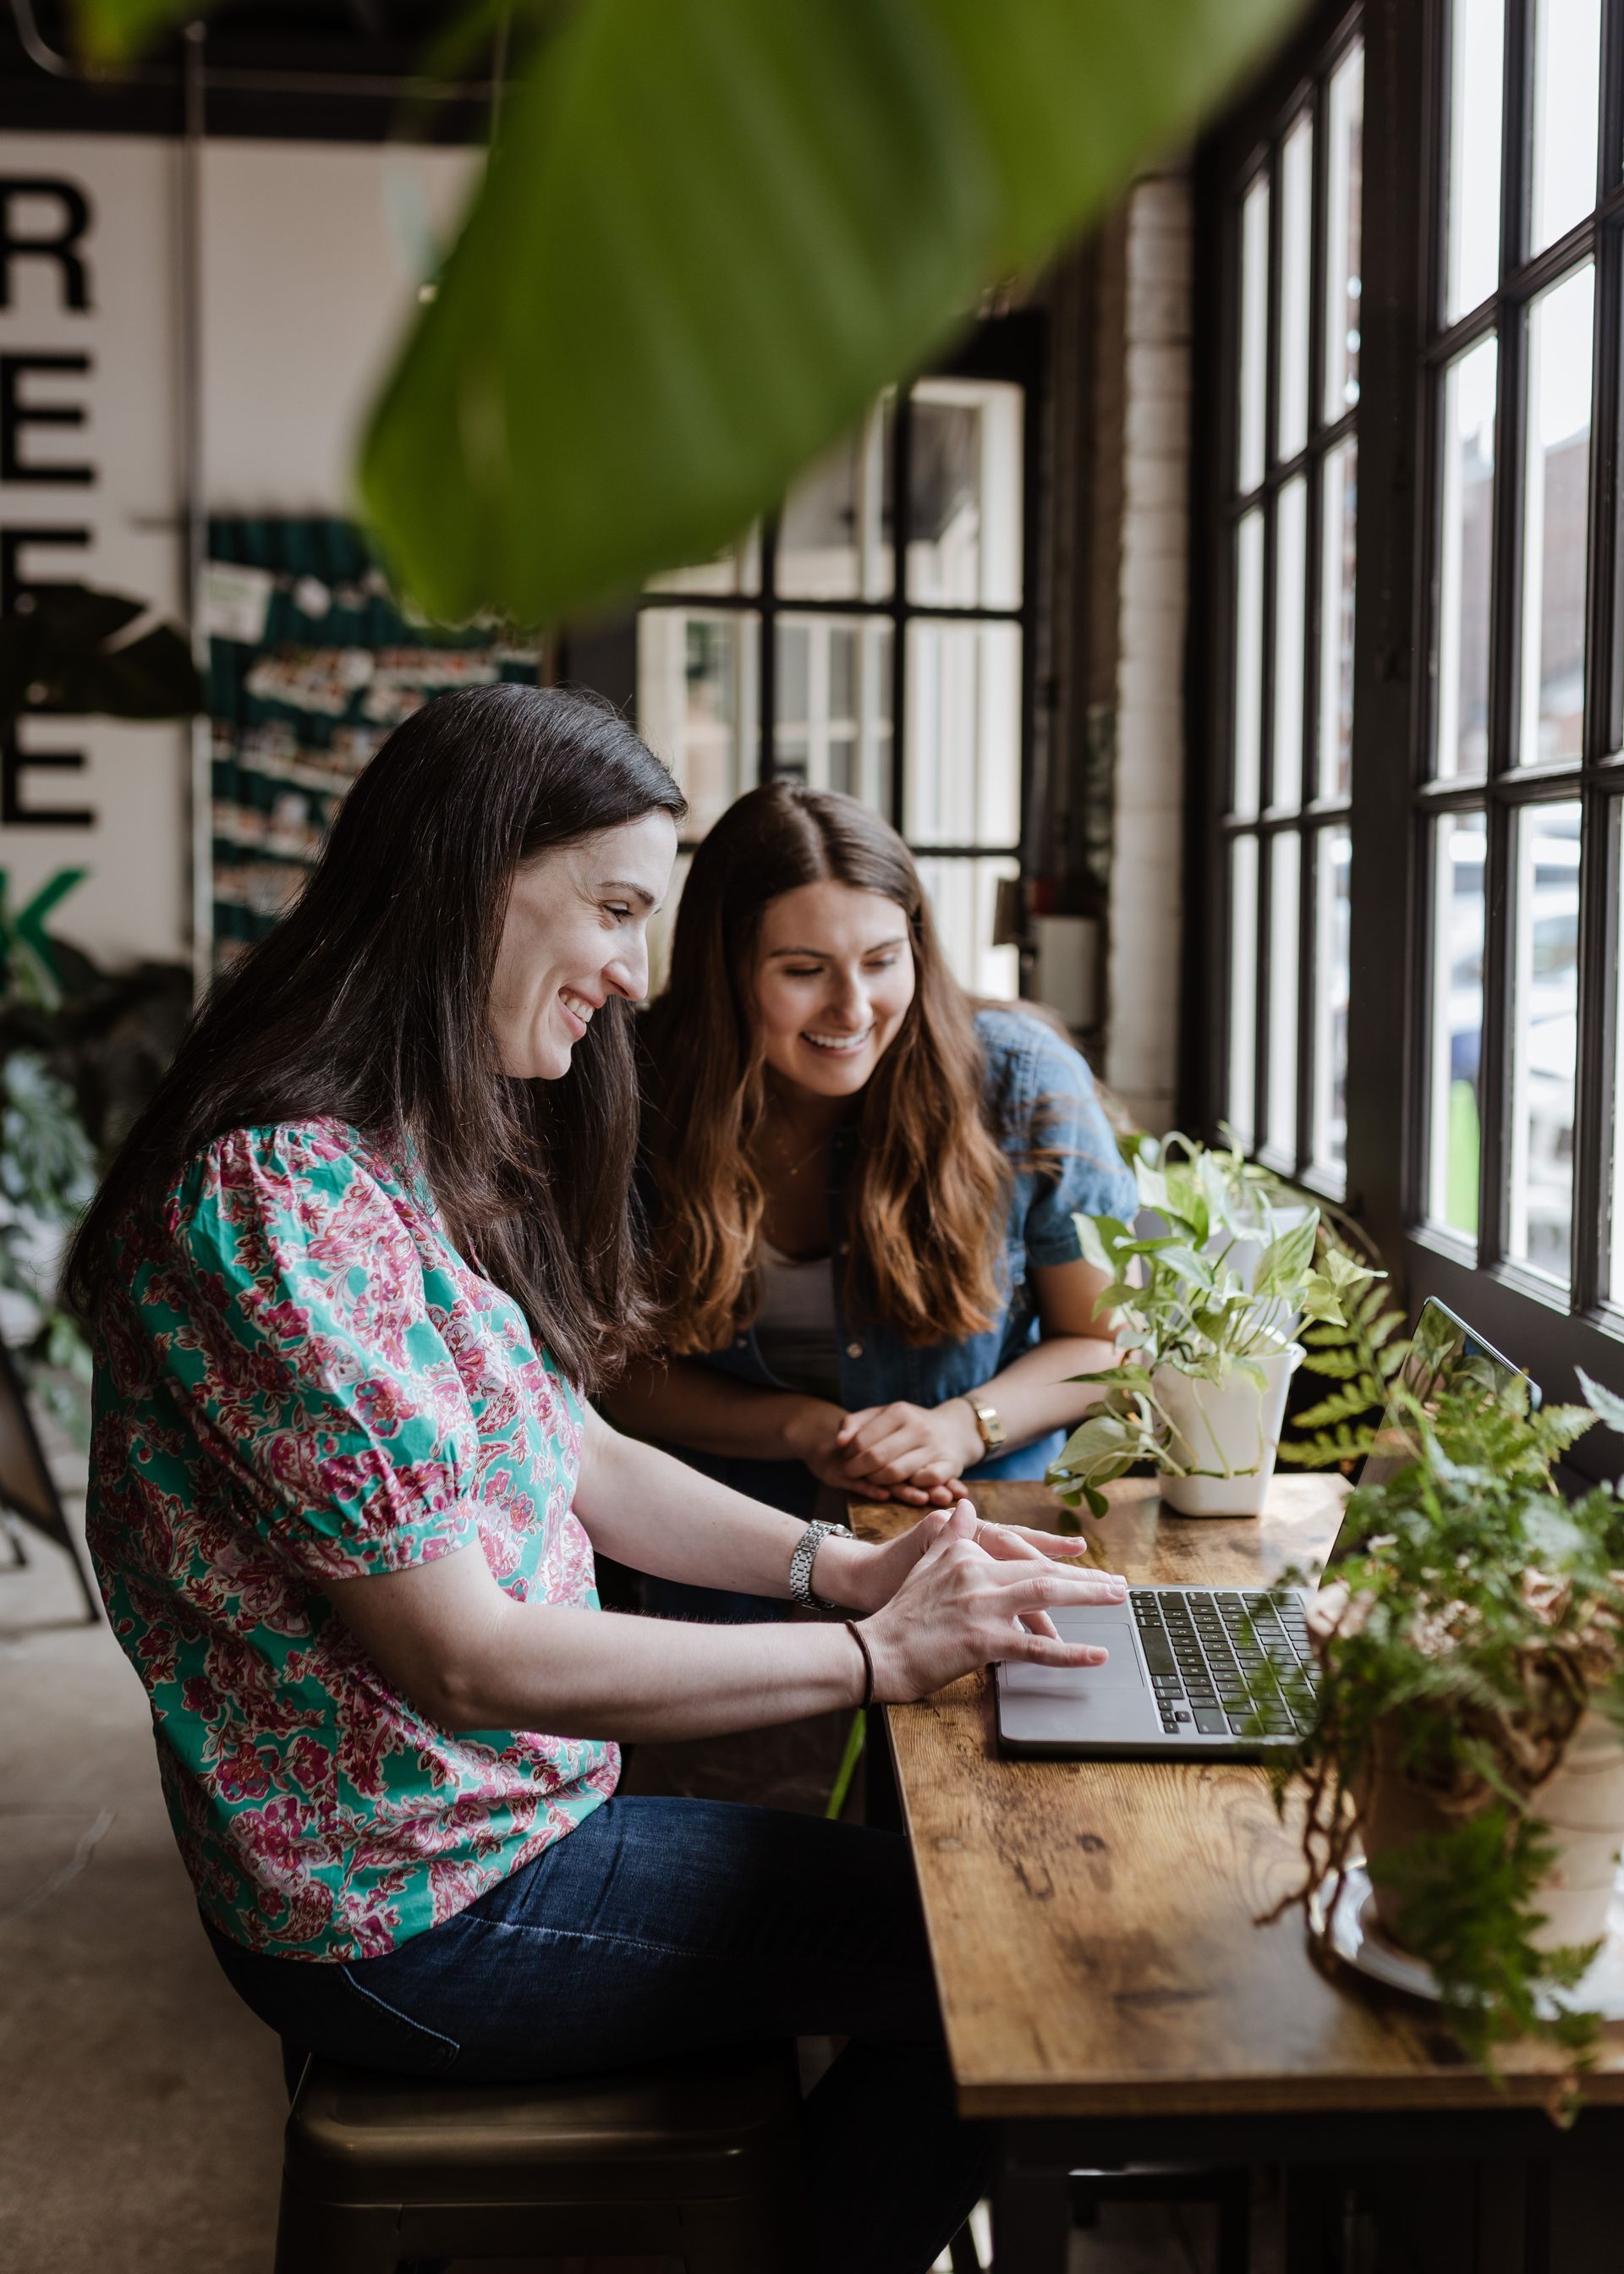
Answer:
(1475, 1619)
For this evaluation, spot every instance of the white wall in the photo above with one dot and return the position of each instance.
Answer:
(311, 259)
(312, 255)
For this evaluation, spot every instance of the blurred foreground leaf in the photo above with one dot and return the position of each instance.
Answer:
(110, 31)
(712, 231)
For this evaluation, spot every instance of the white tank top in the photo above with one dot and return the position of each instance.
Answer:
(796, 1328)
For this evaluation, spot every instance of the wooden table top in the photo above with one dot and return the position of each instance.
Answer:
(1092, 1923)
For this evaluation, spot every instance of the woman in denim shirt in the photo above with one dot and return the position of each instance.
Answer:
(861, 1188)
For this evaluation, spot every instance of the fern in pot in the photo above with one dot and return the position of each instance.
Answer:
(1206, 1308)
(1466, 1742)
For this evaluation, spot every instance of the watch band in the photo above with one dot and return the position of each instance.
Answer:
(801, 1562)
(989, 1421)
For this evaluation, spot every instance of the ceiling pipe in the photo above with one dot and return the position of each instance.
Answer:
(244, 80)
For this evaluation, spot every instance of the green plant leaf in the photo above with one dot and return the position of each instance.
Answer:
(1093, 1245)
(110, 31)
(1284, 1262)
(713, 231)
(1605, 1405)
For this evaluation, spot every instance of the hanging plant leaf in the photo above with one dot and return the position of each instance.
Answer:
(712, 232)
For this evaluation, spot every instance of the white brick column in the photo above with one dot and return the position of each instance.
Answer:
(1146, 924)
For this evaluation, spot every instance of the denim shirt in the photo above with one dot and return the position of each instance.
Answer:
(1039, 1091)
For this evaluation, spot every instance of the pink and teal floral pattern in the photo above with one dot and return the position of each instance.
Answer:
(305, 1382)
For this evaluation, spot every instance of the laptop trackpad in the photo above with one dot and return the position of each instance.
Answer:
(1112, 1631)
(1083, 1705)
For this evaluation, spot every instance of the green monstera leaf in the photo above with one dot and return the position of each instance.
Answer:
(710, 232)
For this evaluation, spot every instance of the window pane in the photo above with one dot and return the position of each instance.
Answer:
(1566, 92)
(1545, 1026)
(1296, 191)
(964, 901)
(1285, 961)
(1248, 662)
(1338, 504)
(696, 703)
(1329, 1145)
(1478, 38)
(1344, 179)
(832, 701)
(1466, 536)
(964, 493)
(963, 734)
(1290, 587)
(834, 534)
(1455, 1123)
(1254, 331)
(1241, 1087)
(736, 569)
(1556, 519)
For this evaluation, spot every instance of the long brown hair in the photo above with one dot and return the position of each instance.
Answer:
(369, 1003)
(927, 1194)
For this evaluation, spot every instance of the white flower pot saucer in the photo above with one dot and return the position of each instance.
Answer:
(1353, 1932)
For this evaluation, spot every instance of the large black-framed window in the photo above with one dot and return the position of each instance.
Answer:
(1513, 1150)
(874, 637)
(1486, 805)
(1279, 570)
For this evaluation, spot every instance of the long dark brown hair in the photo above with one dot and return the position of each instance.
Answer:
(369, 1003)
(928, 1194)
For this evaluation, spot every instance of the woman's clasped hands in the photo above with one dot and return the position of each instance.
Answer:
(915, 1454)
(956, 1593)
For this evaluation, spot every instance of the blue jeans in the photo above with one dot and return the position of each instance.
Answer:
(660, 1926)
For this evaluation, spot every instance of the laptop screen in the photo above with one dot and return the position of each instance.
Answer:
(1443, 1345)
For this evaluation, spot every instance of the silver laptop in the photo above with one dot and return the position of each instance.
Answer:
(1189, 1665)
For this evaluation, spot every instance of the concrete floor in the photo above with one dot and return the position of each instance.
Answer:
(141, 2104)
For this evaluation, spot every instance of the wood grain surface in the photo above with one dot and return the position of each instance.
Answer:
(1092, 1922)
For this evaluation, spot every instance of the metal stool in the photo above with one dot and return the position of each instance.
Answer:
(699, 2159)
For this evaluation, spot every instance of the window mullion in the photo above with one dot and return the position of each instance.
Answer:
(1516, 135)
(1595, 1033)
(767, 657)
(901, 466)
(1505, 657)
(1266, 705)
(1313, 602)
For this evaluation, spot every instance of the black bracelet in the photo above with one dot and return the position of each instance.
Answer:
(856, 1633)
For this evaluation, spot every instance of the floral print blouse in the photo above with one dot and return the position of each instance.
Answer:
(303, 1380)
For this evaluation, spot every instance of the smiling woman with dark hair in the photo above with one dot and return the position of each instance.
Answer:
(349, 1280)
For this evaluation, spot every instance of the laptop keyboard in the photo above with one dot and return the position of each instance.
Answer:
(1212, 1658)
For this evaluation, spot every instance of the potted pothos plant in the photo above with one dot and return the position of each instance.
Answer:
(80, 1048)
(80, 1051)
(1206, 1305)
(1464, 1745)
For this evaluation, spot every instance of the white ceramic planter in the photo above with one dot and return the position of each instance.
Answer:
(1231, 1428)
(1583, 1803)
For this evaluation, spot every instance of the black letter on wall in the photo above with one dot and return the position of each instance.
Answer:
(15, 415)
(75, 220)
(14, 581)
(13, 813)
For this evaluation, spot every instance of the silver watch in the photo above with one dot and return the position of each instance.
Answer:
(801, 1562)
